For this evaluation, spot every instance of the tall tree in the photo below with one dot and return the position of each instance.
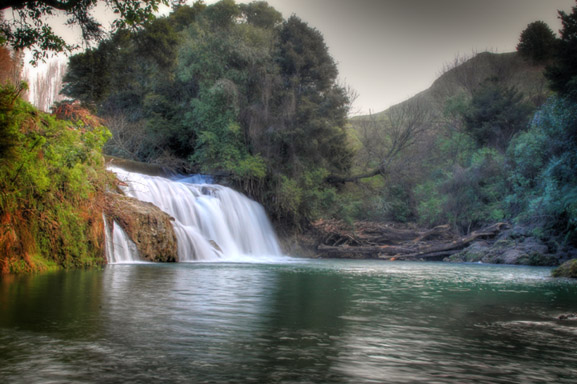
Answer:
(313, 107)
(537, 42)
(562, 74)
(496, 114)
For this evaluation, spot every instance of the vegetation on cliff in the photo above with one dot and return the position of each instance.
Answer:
(51, 187)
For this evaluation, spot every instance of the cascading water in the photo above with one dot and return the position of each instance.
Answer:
(212, 222)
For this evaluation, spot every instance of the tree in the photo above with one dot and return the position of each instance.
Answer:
(562, 74)
(312, 108)
(404, 125)
(543, 162)
(10, 66)
(260, 14)
(28, 29)
(496, 114)
(537, 42)
(228, 89)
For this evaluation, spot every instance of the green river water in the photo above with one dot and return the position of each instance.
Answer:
(307, 321)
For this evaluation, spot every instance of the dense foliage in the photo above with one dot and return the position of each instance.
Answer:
(51, 187)
(228, 89)
(543, 161)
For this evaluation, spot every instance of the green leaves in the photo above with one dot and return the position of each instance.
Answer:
(29, 29)
(227, 89)
(496, 114)
(543, 162)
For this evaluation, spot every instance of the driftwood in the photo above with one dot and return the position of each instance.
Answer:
(372, 240)
(336, 233)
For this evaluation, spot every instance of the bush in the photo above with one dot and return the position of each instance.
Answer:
(466, 198)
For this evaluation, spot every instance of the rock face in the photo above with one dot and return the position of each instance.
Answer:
(567, 269)
(146, 225)
(524, 251)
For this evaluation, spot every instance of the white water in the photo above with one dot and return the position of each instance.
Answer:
(212, 222)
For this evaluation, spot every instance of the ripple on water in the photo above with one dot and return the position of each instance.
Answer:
(301, 322)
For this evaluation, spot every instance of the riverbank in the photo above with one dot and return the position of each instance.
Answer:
(500, 243)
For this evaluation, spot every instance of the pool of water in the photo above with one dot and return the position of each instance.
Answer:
(318, 321)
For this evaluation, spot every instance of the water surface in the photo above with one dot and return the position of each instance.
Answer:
(292, 322)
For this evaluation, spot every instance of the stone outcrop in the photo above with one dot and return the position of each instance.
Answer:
(146, 225)
(567, 269)
(524, 251)
(517, 245)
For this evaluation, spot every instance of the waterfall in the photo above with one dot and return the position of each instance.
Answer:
(211, 222)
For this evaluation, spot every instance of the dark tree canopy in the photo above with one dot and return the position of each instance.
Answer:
(496, 114)
(562, 74)
(537, 42)
(28, 29)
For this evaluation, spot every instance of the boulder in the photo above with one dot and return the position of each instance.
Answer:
(521, 251)
(146, 225)
(567, 269)
(473, 253)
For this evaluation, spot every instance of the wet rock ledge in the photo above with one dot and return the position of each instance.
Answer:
(146, 225)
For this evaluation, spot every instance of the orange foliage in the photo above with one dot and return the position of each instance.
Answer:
(10, 66)
(15, 239)
(74, 112)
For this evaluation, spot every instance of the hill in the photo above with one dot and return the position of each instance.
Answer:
(465, 75)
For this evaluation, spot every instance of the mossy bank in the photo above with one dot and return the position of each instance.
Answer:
(52, 182)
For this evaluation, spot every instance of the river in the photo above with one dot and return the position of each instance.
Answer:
(301, 321)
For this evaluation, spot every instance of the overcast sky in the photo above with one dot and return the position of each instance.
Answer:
(389, 50)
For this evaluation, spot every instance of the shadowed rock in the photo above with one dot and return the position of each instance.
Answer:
(146, 225)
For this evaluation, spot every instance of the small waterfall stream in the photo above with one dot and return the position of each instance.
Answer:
(212, 222)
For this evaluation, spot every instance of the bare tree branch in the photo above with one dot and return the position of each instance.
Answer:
(402, 127)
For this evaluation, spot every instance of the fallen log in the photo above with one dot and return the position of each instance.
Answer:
(413, 249)
(364, 233)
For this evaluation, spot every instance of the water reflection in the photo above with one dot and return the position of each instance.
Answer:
(294, 322)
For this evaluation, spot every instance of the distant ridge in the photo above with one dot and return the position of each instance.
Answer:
(464, 75)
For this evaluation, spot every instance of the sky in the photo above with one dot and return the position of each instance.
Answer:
(389, 50)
